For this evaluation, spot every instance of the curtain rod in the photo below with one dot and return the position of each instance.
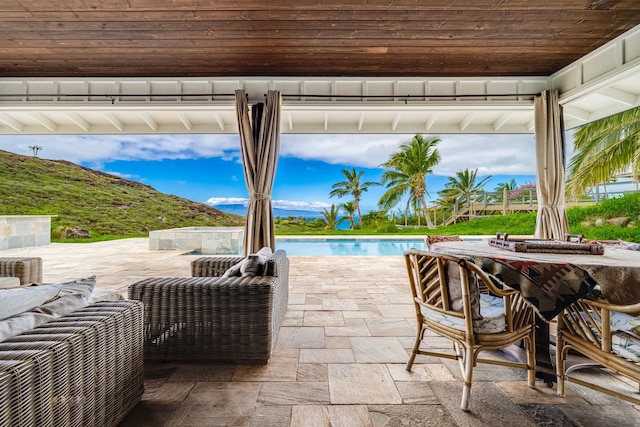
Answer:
(113, 97)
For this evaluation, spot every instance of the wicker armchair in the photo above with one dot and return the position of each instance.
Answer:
(448, 302)
(599, 331)
(216, 319)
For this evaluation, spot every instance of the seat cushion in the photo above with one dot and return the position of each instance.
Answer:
(625, 338)
(252, 265)
(491, 310)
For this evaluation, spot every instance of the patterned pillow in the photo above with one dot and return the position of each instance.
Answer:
(454, 286)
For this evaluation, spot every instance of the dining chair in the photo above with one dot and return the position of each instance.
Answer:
(448, 301)
(608, 334)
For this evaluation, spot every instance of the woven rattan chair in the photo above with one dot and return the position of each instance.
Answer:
(448, 302)
(599, 331)
(214, 319)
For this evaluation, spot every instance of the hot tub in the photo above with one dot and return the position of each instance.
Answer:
(204, 240)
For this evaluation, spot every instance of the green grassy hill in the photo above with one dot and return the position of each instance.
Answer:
(103, 204)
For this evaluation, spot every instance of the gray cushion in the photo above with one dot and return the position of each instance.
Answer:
(67, 298)
(27, 298)
(252, 265)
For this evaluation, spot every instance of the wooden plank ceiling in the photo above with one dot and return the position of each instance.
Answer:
(376, 38)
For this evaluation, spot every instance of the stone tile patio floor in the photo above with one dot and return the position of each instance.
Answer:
(339, 359)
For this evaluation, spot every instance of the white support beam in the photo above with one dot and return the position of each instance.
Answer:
(153, 125)
(467, 121)
(40, 118)
(396, 120)
(576, 113)
(531, 126)
(114, 121)
(502, 120)
(290, 120)
(626, 98)
(188, 125)
(219, 120)
(12, 123)
(361, 121)
(431, 121)
(326, 120)
(79, 121)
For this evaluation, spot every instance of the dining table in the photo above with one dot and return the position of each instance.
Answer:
(549, 282)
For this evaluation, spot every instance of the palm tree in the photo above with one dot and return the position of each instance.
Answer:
(407, 171)
(502, 187)
(352, 186)
(460, 187)
(604, 149)
(350, 209)
(331, 219)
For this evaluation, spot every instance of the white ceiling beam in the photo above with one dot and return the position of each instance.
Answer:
(219, 120)
(531, 125)
(326, 120)
(396, 120)
(153, 125)
(430, 122)
(290, 120)
(467, 121)
(626, 98)
(502, 120)
(11, 122)
(185, 121)
(114, 121)
(361, 121)
(40, 118)
(576, 113)
(79, 121)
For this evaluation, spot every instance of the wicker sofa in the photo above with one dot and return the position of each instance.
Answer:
(78, 369)
(214, 318)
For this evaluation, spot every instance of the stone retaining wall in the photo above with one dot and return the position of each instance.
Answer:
(21, 231)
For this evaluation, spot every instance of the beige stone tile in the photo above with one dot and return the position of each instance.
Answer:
(301, 337)
(399, 373)
(416, 393)
(334, 416)
(339, 304)
(347, 331)
(294, 393)
(355, 322)
(522, 394)
(361, 384)
(390, 327)
(378, 350)
(323, 318)
(329, 355)
(277, 369)
(439, 372)
(397, 310)
(337, 342)
(172, 392)
(312, 372)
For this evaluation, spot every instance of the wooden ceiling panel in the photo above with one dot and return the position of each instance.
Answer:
(376, 38)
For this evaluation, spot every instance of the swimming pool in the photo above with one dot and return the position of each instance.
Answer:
(348, 247)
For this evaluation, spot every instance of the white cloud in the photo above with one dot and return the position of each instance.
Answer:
(97, 149)
(280, 204)
(216, 201)
(491, 154)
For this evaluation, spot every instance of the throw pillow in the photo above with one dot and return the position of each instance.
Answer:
(252, 265)
(27, 298)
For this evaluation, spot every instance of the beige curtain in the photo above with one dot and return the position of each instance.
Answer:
(260, 146)
(551, 222)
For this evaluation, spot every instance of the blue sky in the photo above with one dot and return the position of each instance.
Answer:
(207, 168)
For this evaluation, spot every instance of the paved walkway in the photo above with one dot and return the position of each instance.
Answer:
(339, 360)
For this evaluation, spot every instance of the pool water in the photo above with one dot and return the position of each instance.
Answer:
(348, 247)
